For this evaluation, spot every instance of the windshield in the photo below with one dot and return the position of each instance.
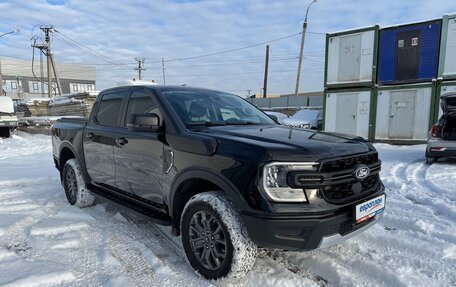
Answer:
(305, 115)
(214, 108)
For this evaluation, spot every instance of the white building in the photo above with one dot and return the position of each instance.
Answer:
(20, 82)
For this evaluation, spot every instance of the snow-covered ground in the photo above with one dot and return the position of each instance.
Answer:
(46, 242)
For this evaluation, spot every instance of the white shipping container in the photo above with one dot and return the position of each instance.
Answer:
(447, 68)
(403, 114)
(350, 58)
(348, 112)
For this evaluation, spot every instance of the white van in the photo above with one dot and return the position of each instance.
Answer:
(8, 118)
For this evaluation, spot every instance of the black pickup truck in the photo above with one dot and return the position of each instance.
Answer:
(220, 172)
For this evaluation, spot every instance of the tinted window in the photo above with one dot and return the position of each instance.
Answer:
(200, 106)
(109, 109)
(140, 102)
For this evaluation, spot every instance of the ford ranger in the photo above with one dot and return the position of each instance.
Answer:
(223, 174)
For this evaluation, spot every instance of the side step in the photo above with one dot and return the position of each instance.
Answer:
(144, 211)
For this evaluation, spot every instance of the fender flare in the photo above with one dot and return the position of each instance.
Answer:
(212, 176)
(68, 145)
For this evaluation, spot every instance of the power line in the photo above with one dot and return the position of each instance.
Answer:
(89, 49)
(236, 49)
(81, 47)
(88, 52)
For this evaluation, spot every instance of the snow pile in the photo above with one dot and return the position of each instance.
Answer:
(65, 100)
(46, 242)
(35, 101)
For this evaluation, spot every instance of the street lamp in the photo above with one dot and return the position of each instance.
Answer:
(303, 36)
(11, 32)
(1, 80)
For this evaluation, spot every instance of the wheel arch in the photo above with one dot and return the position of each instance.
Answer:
(194, 181)
(67, 152)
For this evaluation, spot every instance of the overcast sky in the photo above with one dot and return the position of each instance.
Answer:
(118, 31)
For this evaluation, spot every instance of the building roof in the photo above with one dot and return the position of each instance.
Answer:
(308, 94)
(21, 68)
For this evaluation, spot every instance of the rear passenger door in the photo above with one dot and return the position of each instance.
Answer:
(138, 155)
(98, 138)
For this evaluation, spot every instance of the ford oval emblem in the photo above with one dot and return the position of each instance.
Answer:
(362, 172)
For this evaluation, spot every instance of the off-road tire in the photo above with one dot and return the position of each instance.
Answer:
(219, 213)
(73, 182)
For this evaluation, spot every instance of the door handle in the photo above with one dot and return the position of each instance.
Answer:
(90, 136)
(121, 141)
(392, 115)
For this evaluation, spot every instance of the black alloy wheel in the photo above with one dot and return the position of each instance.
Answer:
(207, 240)
(71, 185)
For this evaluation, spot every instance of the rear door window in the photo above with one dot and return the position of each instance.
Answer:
(109, 109)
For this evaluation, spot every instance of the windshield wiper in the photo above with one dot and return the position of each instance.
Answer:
(242, 123)
(206, 123)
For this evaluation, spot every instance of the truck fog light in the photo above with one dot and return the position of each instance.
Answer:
(275, 185)
(312, 194)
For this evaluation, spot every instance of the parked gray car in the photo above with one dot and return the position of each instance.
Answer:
(306, 119)
(279, 116)
(442, 137)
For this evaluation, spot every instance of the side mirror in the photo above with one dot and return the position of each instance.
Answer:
(274, 118)
(144, 123)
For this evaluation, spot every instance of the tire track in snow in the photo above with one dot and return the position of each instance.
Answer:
(422, 193)
(152, 238)
(288, 265)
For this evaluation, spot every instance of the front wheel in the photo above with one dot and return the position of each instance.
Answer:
(214, 237)
(74, 184)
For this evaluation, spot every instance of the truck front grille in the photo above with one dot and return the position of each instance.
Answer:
(349, 162)
(340, 192)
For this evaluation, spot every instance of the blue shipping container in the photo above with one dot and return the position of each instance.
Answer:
(410, 53)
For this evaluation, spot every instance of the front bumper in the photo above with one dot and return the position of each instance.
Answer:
(305, 232)
(8, 124)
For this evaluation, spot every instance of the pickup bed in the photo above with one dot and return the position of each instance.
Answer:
(220, 172)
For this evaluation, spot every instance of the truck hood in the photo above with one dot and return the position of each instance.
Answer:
(284, 143)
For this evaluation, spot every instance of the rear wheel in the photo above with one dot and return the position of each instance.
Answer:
(431, 160)
(74, 184)
(214, 237)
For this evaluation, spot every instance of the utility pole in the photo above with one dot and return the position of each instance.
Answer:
(303, 36)
(46, 50)
(266, 66)
(163, 69)
(20, 91)
(140, 66)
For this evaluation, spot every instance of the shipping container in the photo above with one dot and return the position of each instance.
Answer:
(409, 53)
(348, 111)
(287, 102)
(351, 58)
(404, 112)
(447, 60)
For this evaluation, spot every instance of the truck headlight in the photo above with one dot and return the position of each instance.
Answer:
(274, 181)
